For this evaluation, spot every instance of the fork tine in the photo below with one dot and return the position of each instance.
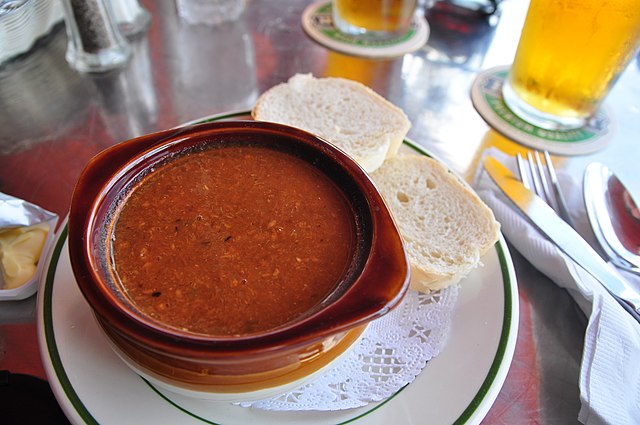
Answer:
(541, 178)
(537, 184)
(544, 181)
(563, 211)
(525, 175)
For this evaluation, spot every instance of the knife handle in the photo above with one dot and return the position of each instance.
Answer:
(614, 284)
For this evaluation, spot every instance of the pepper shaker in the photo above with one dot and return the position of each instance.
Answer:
(95, 44)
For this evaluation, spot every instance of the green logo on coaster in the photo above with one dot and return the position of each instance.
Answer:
(322, 20)
(491, 88)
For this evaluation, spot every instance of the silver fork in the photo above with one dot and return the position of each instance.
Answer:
(540, 177)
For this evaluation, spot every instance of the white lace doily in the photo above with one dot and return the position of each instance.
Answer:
(391, 354)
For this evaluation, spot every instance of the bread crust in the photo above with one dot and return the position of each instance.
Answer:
(344, 112)
(445, 226)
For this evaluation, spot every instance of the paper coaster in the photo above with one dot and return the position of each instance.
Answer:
(317, 22)
(486, 95)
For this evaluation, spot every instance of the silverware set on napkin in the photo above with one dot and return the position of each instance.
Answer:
(538, 196)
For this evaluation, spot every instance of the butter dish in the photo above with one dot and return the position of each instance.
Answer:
(26, 234)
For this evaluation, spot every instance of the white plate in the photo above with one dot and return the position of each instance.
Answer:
(459, 386)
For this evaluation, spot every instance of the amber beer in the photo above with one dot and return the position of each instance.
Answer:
(570, 54)
(373, 16)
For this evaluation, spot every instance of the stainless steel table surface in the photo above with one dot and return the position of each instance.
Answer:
(53, 119)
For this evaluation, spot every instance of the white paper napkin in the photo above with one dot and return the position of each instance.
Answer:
(610, 370)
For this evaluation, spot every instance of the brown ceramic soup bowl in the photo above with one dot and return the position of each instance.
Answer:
(232, 260)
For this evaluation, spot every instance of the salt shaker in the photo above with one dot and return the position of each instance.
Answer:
(95, 43)
(131, 17)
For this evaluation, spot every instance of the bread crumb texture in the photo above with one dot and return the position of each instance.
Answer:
(445, 226)
(344, 112)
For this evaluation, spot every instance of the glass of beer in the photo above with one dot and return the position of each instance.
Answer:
(373, 18)
(570, 54)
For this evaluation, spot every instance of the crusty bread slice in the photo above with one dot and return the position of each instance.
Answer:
(344, 112)
(445, 226)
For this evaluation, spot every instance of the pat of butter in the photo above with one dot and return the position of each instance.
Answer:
(20, 250)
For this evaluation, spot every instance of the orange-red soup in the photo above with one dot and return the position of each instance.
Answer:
(233, 240)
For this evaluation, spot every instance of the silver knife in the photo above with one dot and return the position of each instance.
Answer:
(545, 219)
